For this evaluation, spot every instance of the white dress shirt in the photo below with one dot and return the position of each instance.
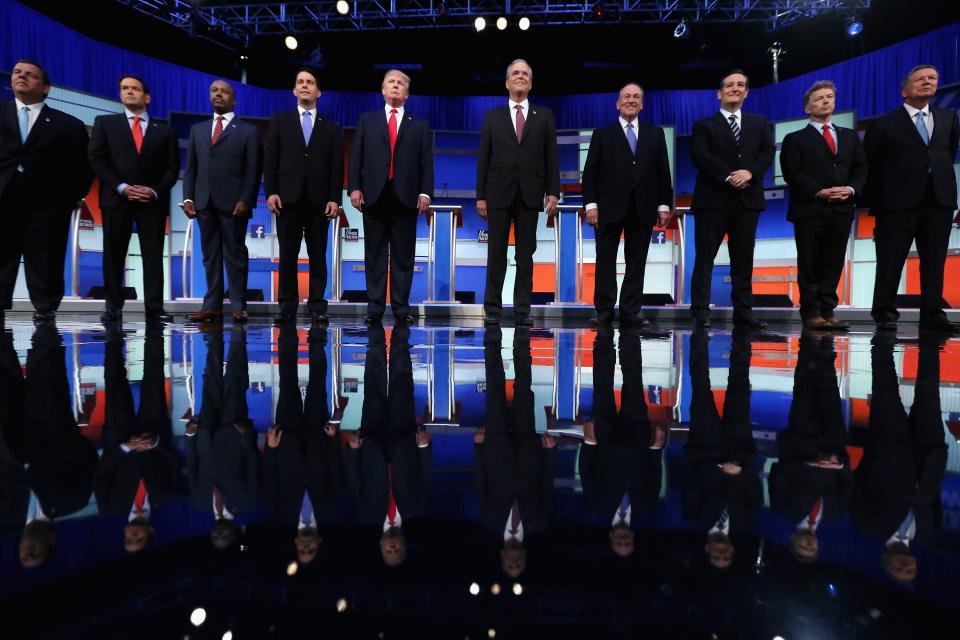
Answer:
(927, 117)
(35, 509)
(223, 513)
(396, 523)
(144, 121)
(623, 127)
(524, 107)
(626, 516)
(722, 525)
(34, 112)
(738, 114)
(227, 119)
(508, 532)
(145, 514)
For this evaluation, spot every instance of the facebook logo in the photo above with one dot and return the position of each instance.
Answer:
(654, 394)
(257, 231)
(659, 237)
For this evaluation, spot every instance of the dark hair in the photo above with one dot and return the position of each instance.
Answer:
(305, 70)
(735, 72)
(146, 88)
(43, 72)
(633, 84)
(816, 86)
(919, 67)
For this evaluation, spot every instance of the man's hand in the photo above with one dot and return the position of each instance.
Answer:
(356, 199)
(551, 206)
(142, 442)
(138, 193)
(423, 437)
(423, 204)
(479, 435)
(189, 209)
(589, 432)
(740, 179)
(593, 216)
(548, 442)
(274, 434)
(240, 210)
(330, 211)
(482, 209)
(274, 204)
(664, 217)
(354, 441)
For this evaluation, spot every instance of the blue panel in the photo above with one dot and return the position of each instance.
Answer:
(569, 220)
(455, 140)
(566, 375)
(442, 409)
(454, 171)
(443, 220)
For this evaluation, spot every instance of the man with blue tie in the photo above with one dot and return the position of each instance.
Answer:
(303, 180)
(912, 192)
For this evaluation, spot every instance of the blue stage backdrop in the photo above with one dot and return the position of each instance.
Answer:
(869, 84)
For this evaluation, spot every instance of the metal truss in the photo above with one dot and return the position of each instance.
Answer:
(247, 20)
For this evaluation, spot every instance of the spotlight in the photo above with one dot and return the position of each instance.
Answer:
(501, 23)
(495, 588)
(343, 7)
(197, 616)
(474, 589)
(598, 10)
(479, 24)
(291, 43)
(524, 23)
(854, 28)
(681, 31)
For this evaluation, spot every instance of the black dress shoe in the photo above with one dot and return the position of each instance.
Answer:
(407, 319)
(320, 318)
(159, 316)
(701, 323)
(602, 319)
(491, 321)
(284, 317)
(524, 321)
(941, 325)
(887, 325)
(634, 320)
(111, 315)
(749, 323)
(44, 316)
(372, 318)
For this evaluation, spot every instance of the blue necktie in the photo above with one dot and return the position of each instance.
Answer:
(631, 138)
(624, 505)
(306, 509)
(922, 128)
(903, 533)
(24, 123)
(307, 126)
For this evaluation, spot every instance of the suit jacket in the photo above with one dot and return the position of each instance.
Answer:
(612, 173)
(54, 157)
(223, 174)
(716, 155)
(115, 160)
(412, 158)
(506, 167)
(305, 174)
(808, 166)
(901, 164)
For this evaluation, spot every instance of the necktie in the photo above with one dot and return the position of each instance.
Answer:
(624, 505)
(905, 532)
(391, 503)
(137, 133)
(515, 518)
(306, 510)
(217, 503)
(140, 498)
(815, 512)
(724, 522)
(217, 131)
(922, 127)
(828, 138)
(631, 138)
(307, 125)
(392, 131)
(520, 122)
(24, 123)
(735, 128)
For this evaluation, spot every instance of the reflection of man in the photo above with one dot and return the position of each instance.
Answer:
(621, 460)
(811, 481)
(391, 180)
(722, 491)
(389, 460)
(517, 173)
(46, 466)
(139, 469)
(43, 174)
(732, 151)
(627, 185)
(220, 191)
(514, 466)
(303, 178)
(826, 168)
(912, 191)
(302, 461)
(138, 162)
(897, 485)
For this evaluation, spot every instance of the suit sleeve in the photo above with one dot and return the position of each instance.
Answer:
(483, 158)
(664, 179)
(98, 152)
(802, 186)
(768, 149)
(190, 175)
(591, 168)
(336, 166)
(708, 164)
(858, 167)
(426, 161)
(251, 182)
(271, 158)
(172, 172)
(80, 174)
(356, 156)
(552, 161)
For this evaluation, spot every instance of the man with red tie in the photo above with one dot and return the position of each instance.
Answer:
(391, 181)
(138, 161)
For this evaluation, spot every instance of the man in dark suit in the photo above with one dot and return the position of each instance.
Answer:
(826, 168)
(518, 172)
(138, 162)
(43, 174)
(391, 180)
(732, 151)
(220, 190)
(390, 459)
(912, 191)
(303, 179)
(628, 189)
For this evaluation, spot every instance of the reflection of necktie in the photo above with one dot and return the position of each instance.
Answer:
(631, 138)
(520, 122)
(391, 503)
(137, 133)
(815, 512)
(904, 533)
(217, 503)
(307, 125)
(392, 131)
(515, 518)
(140, 498)
(217, 131)
(624, 505)
(24, 123)
(922, 128)
(306, 509)
(722, 522)
(828, 138)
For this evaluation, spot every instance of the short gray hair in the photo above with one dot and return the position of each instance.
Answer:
(396, 72)
(510, 66)
(919, 67)
(816, 86)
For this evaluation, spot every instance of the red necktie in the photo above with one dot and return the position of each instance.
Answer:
(828, 138)
(217, 131)
(391, 503)
(137, 133)
(392, 131)
(520, 122)
(140, 498)
(815, 512)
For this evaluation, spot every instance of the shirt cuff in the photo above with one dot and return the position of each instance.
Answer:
(591, 206)
(125, 448)
(423, 446)
(154, 193)
(186, 200)
(663, 207)
(121, 187)
(853, 191)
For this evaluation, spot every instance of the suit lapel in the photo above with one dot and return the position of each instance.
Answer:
(10, 120)
(618, 131)
(509, 113)
(229, 128)
(126, 134)
(531, 115)
(723, 122)
(906, 121)
(44, 120)
(819, 139)
(940, 126)
(407, 121)
(150, 133)
(296, 127)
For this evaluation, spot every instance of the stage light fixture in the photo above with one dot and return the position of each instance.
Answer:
(343, 7)
(524, 23)
(501, 23)
(291, 43)
(854, 28)
(682, 31)
(479, 24)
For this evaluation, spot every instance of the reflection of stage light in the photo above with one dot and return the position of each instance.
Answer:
(479, 24)
(291, 42)
(854, 28)
(524, 23)
(341, 605)
(501, 23)
(292, 569)
(682, 30)
(197, 616)
(343, 7)
(518, 589)
(474, 589)
(495, 588)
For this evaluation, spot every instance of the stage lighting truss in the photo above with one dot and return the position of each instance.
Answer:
(233, 21)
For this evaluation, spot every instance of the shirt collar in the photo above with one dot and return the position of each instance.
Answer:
(143, 116)
(525, 104)
(727, 114)
(624, 123)
(820, 125)
(36, 106)
(312, 111)
(913, 110)
(387, 107)
(227, 117)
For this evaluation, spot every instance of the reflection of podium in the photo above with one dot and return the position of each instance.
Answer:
(568, 243)
(442, 408)
(337, 225)
(442, 253)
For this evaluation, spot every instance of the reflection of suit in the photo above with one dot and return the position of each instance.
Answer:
(307, 459)
(621, 461)
(120, 471)
(389, 431)
(904, 456)
(219, 455)
(48, 456)
(816, 428)
(714, 440)
(511, 464)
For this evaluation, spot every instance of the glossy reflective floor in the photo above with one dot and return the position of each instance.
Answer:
(451, 482)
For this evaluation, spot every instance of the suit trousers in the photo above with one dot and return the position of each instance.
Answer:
(295, 223)
(821, 250)
(39, 236)
(223, 241)
(740, 227)
(525, 231)
(929, 225)
(636, 236)
(389, 224)
(117, 229)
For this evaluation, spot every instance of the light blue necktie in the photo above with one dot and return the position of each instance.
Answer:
(903, 533)
(24, 123)
(306, 509)
(631, 138)
(624, 505)
(922, 128)
(307, 126)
